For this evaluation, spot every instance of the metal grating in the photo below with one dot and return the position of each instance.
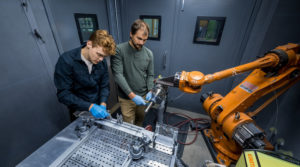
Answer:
(108, 147)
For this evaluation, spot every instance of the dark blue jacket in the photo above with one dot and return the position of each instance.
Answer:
(76, 88)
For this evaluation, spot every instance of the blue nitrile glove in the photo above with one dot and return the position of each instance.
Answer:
(103, 107)
(149, 96)
(98, 111)
(138, 100)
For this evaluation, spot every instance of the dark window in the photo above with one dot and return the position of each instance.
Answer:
(209, 30)
(154, 23)
(86, 25)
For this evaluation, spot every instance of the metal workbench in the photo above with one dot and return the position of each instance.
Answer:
(88, 142)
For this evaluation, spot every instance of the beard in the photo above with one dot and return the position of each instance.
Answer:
(136, 46)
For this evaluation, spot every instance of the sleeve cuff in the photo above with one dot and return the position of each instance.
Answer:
(127, 91)
(87, 106)
(103, 99)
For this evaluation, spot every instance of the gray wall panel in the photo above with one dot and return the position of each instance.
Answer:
(288, 120)
(284, 26)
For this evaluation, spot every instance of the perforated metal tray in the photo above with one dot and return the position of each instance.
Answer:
(107, 145)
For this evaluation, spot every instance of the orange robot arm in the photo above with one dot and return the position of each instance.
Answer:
(191, 82)
(232, 129)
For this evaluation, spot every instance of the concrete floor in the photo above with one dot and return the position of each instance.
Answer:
(194, 155)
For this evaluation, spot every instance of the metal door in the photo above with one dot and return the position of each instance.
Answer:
(30, 112)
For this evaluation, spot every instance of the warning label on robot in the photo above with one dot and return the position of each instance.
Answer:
(248, 87)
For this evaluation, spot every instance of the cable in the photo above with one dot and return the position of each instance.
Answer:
(188, 119)
(176, 98)
(277, 110)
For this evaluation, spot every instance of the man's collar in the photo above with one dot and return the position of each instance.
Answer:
(78, 52)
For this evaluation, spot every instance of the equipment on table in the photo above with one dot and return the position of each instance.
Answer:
(107, 142)
(232, 129)
(159, 98)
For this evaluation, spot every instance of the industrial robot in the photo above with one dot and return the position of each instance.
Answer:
(232, 127)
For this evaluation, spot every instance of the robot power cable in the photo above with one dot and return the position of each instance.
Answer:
(188, 119)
